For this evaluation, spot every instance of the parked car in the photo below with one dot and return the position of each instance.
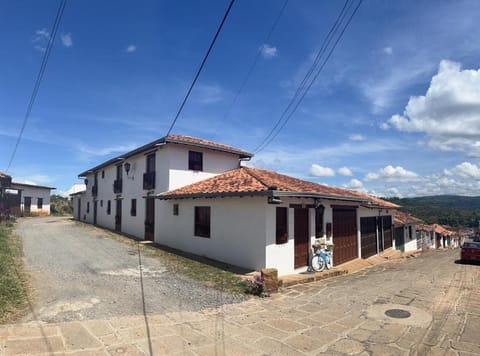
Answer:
(470, 252)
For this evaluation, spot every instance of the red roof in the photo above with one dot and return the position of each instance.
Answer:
(402, 218)
(254, 181)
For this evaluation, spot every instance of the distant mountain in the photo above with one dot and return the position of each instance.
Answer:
(453, 210)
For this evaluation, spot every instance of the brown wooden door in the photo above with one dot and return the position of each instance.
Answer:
(27, 205)
(301, 237)
(149, 219)
(387, 231)
(118, 215)
(368, 232)
(344, 234)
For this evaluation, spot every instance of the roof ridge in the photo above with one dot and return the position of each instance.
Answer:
(249, 171)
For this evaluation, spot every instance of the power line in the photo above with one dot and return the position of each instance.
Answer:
(280, 125)
(38, 81)
(254, 63)
(201, 67)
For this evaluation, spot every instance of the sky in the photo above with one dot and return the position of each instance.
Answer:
(394, 112)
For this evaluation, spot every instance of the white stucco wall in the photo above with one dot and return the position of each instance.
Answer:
(237, 229)
(34, 193)
(171, 171)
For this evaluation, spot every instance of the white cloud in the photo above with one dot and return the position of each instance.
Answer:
(345, 171)
(208, 94)
(388, 50)
(449, 112)
(40, 39)
(392, 174)
(34, 179)
(268, 51)
(354, 184)
(131, 48)
(357, 137)
(465, 170)
(384, 126)
(319, 171)
(66, 39)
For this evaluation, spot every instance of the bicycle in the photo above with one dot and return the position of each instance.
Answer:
(321, 258)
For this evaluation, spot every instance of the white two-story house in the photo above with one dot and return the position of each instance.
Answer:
(194, 195)
(121, 192)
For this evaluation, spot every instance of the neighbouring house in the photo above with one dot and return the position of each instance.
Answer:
(194, 195)
(426, 237)
(444, 238)
(405, 236)
(34, 199)
(22, 199)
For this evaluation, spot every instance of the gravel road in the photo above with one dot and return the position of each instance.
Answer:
(78, 273)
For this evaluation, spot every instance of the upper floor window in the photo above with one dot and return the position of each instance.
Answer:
(150, 163)
(195, 161)
(39, 203)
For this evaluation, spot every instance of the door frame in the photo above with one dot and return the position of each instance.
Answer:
(301, 234)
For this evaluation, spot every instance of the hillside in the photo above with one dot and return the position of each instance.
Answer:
(450, 210)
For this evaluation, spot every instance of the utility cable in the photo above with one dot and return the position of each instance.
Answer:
(38, 81)
(254, 63)
(201, 67)
(280, 125)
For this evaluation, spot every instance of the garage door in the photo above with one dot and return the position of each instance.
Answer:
(368, 231)
(344, 234)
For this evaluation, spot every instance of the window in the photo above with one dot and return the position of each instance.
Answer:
(103, 174)
(195, 161)
(410, 233)
(109, 207)
(202, 221)
(39, 203)
(133, 208)
(282, 226)
(175, 209)
(88, 206)
(150, 163)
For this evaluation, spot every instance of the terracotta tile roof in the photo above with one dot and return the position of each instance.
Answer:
(424, 227)
(439, 229)
(175, 139)
(245, 180)
(402, 218)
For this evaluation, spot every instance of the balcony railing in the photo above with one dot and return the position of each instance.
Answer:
(117, 186)
(94, 190)
(149, 180)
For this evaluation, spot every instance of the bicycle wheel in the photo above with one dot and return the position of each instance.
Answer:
(318, 264)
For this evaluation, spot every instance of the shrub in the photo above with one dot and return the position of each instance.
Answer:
(256, 285)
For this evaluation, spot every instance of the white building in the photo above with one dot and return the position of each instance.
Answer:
(194, 195)
(34, 199)
(406, 238)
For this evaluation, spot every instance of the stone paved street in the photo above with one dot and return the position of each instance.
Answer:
(340, 316)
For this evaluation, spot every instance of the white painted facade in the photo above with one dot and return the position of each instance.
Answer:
(243, 230)
(39, 197)
(171, 172)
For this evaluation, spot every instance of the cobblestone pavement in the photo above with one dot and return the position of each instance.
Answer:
(341, 316)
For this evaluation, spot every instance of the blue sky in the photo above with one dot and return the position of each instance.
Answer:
(395, 112)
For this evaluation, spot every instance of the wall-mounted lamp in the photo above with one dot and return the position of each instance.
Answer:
(127, 166)
(274, 200)
(85, 181)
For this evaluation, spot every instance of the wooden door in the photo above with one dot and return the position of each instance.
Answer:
(368, 232)
(344, 234)
(399, 239)
(95, 212)
(149, 219)
(118, 215)
(301, 228)
(387, 231)
(27, 205)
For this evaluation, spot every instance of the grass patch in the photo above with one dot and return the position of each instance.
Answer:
(12, 286)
